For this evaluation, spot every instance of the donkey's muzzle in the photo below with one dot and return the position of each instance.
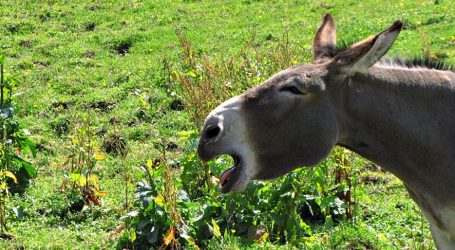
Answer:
(209, 135)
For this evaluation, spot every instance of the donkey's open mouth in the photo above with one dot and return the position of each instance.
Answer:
(230, 176)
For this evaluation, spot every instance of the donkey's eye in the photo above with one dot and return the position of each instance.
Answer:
(292, 89)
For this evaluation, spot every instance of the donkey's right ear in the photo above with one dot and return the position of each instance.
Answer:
(324, 44)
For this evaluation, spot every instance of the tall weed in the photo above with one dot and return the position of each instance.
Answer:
(205, 81)
(80, 164)
(186, 202)
(15, 171)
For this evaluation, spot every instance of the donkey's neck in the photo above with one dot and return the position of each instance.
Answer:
(411, 76)
(403, 119)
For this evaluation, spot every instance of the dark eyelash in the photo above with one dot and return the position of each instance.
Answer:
(292, 89)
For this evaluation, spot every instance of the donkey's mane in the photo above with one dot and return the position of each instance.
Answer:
(423, 60)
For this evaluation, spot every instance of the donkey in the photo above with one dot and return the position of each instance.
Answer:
(399, 116)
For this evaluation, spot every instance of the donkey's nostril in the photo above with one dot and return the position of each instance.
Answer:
(212, 132)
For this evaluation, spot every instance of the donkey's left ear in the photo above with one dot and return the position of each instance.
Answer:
(360, 56)
(324, 43)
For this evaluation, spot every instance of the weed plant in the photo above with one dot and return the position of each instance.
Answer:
(81, 162)
(191, 206)
(15, 171)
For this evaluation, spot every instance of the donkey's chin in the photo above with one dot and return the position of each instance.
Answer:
(234, 179)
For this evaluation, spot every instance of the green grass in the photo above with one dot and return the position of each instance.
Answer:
(68, 57)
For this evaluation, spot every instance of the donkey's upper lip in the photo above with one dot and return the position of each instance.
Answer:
(205, 154)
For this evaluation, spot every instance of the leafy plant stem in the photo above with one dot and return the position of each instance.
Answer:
(1, 84)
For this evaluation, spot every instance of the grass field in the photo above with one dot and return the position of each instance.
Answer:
(113, 62)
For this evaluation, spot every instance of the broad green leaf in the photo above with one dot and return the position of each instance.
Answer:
(31, 146)
(144, 103)
(263, 238)
(94, 181)
(11, 175)
(99, 193)
(216, 228)
(75, 176)
(19, 212)
(159, 200)
(2, 59)
(100, 156)
(81, 182)
(29, 167)
(328, 224)
(191, 74)
(133, 235)
(149, 163)
(85, 207)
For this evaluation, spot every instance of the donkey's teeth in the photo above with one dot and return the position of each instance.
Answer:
(226, 175)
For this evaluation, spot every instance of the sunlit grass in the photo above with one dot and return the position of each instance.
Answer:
(119, 58)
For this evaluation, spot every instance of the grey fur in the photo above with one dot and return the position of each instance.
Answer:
(401, 117)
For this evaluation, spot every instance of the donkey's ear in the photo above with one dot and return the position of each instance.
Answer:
(360, 56)
(324, 44)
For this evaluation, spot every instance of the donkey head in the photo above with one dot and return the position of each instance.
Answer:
(291, 119)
